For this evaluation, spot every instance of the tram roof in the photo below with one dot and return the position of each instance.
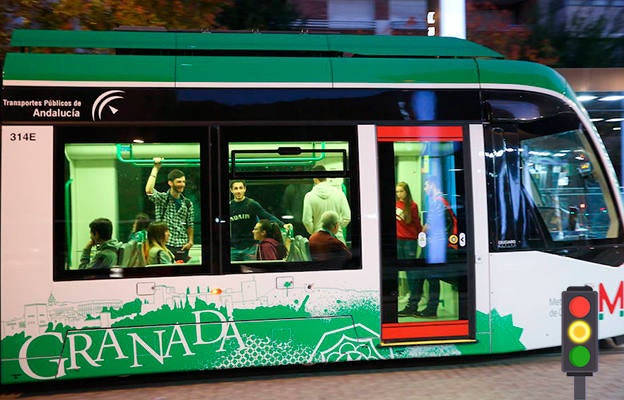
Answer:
(266, 60)
(249, 43)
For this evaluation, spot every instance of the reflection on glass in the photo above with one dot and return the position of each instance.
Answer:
(562, 176)
(428, 177)
(429, 194)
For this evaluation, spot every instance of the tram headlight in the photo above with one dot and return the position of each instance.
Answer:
(579, 331)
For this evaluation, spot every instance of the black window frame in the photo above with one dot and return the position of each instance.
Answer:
(249, 133)
(113, 134)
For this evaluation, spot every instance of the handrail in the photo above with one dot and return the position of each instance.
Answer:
(120, 148)
(149, 161)
(68, 220)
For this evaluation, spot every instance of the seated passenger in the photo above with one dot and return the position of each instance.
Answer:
(101, 231)
(156, 245)
(269, 235)
(324, 246)
(139, 228)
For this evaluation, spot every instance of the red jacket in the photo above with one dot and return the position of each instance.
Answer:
(325, 247)
(270, 249)
(404, 230)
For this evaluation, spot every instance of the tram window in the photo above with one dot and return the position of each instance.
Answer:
(278, 193)
(545, 182)
(107, 180)
(431, 174)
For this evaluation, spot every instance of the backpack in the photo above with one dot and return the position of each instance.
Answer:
(130, 254)
(299, 249)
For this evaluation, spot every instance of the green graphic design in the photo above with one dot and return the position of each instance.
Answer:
(191, 331)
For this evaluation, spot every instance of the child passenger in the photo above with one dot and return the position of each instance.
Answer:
(270, 237)
(156, 245)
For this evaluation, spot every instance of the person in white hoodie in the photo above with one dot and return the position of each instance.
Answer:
(325, 197)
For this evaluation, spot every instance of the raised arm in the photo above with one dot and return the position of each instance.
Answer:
(151, 181)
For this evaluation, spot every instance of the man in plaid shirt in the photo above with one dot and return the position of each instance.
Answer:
(173, 208)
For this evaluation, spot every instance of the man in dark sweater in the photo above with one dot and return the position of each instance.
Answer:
(244, 214)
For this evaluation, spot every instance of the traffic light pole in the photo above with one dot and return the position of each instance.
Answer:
(579, 387)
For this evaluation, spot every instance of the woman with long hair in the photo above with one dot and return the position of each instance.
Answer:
(408, 226)
(271, 246)
(156, 251)
(408, 223)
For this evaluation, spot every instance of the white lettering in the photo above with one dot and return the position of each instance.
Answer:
(236, 335)
(198, 326)
(158, 356)
(114, 344)
(73, 352)
(177, 330)
(23, 358)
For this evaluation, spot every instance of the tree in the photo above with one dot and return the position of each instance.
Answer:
(493, 27)
(588, 39)
(550, 34)
(105, 15)
(258, 15)
(109, 14)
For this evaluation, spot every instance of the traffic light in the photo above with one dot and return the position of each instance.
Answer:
(579, 331)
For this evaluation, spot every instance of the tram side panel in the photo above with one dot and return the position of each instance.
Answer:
(103, 327)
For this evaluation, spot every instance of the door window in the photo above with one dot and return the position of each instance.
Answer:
(424, 249)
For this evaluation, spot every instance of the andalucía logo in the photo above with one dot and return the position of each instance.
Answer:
(102, 101)
(611, 301)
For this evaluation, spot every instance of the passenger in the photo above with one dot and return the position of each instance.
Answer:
(325, 197)
(324, 245)
(408, 223)
(408, 226)
(292, 204)
(157, 251)
(139, 228)
(173, 208)
(271, 246)
(106, 249)
(244, 214)
(441, 225)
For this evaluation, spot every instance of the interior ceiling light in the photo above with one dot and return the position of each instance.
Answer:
(615, 120)
(586, 97)
(611, 98)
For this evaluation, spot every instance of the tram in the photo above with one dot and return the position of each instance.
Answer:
(90, 117)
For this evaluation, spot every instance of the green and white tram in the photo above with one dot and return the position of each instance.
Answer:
(532, 199)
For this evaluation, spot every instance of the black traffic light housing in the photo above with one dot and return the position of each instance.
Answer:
(579, 331)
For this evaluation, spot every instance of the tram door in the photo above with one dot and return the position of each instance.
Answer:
(424, 242)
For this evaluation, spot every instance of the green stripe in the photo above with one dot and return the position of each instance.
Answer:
(92, 39)
(364, 45)
(253, 42)
(379, 70)
(252, 69)
(82, 67)
(416, 46)
(523, 73)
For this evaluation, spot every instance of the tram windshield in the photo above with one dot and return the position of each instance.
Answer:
(561, 178)
(547, 181)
